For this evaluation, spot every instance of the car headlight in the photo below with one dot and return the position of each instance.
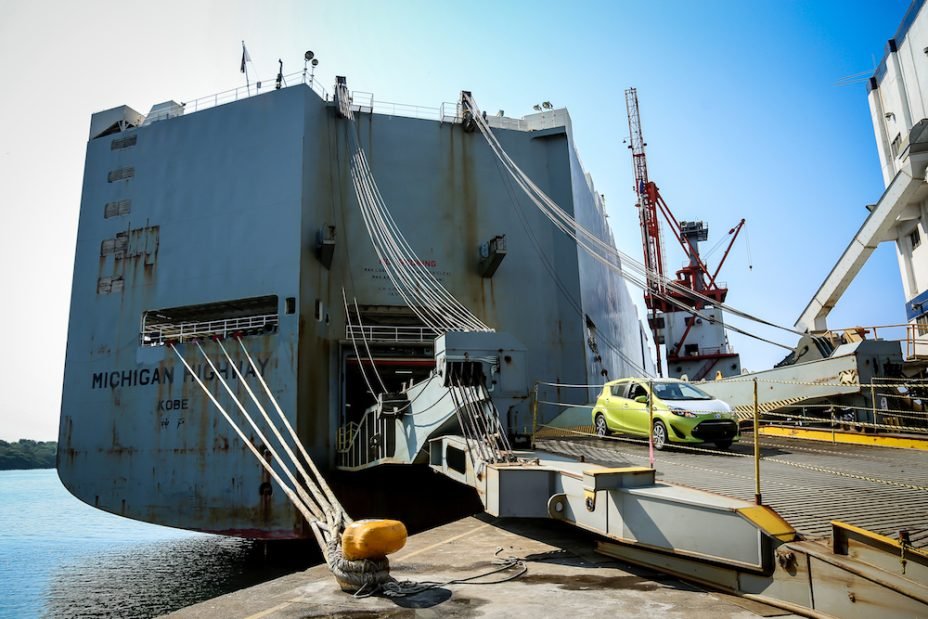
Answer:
(679, 412)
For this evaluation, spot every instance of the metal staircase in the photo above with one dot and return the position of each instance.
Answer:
(454, 399)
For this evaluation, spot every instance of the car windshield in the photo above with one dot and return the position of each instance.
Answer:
(679, 391)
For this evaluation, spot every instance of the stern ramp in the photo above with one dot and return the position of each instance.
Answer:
(451, 421)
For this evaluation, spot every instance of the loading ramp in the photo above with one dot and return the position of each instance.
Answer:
(703, 523)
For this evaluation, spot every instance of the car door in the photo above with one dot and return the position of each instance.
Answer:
(615, 405)
(636, 414)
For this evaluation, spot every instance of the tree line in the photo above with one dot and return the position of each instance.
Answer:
(27, 454)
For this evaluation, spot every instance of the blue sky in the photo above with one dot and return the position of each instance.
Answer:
(739, 107)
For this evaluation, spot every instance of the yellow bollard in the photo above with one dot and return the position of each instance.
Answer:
(372, 539)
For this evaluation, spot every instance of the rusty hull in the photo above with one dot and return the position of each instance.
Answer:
(226, 204)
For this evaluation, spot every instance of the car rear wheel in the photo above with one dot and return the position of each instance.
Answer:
(659, 436)
(602, 430)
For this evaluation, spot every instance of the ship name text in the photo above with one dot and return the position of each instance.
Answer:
(165, 376)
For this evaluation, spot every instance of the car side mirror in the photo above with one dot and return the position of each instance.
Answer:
(641, 399)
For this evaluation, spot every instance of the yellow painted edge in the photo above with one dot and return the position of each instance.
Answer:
(564, 432)
(453, 538)
(877, 537)
(849, 438)
(623, 469)
(269, 611)
(769, 521)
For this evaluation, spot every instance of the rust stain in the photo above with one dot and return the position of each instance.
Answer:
(220, 443)
(265, 490)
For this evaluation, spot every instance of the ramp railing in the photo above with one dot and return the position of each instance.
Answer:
(358, 444)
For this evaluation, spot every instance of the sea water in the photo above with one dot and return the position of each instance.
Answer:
(62, 558)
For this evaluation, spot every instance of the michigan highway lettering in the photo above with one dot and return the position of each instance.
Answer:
(166, 375)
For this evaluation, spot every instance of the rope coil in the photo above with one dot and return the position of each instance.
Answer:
(359, 575)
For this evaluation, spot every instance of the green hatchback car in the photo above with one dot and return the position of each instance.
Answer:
(682, 413)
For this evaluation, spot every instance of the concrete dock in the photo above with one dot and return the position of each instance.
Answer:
(564, 578)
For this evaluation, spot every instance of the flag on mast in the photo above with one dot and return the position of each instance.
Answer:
(245, 57)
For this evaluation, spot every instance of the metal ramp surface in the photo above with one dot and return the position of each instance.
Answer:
(808, 483)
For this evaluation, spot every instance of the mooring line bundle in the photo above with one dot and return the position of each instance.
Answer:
(313, 497)
(603, 252)
(438, 309)
(355, 552)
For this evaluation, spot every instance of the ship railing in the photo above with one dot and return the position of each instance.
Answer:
(380, 333)
(453, 113)
(159, 334)
(364, 102)
(912, 336)
(360, 443)
(504, 122)
(704, 351)
(361, 101)
(450, 112)
(242, 92)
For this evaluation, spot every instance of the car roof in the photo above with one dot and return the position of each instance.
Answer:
(645, 379)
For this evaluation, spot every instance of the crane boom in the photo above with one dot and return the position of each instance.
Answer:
(673, 309)
(647, 202)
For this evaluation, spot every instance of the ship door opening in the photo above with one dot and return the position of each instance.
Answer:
(402, 349)
(395, 373)
(251, 316)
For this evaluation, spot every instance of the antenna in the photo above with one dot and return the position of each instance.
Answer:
(280, 73)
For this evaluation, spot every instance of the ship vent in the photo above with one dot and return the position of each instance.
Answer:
(239, 317)
(125, 142)
(117, 208)
(120, 174)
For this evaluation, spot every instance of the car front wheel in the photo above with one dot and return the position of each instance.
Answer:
(602, 430)
(659, 436)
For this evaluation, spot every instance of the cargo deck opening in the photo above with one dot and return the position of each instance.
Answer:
(249, 316)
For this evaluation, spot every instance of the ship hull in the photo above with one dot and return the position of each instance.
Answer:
(222, 214)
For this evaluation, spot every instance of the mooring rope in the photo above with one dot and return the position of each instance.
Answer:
(264, 463)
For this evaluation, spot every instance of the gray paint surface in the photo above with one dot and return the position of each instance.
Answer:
(237, 194)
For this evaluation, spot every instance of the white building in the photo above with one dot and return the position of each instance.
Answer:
(898, 96)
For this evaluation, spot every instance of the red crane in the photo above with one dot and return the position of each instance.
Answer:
(695, 276)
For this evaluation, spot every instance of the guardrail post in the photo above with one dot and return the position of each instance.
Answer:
(757, 497)
(651, 423)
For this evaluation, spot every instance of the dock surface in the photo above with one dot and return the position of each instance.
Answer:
(809, 483)
(564, 578)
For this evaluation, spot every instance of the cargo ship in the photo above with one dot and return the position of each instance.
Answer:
(235, 214)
